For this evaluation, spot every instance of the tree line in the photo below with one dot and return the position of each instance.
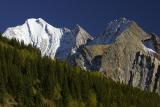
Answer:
(29, 80)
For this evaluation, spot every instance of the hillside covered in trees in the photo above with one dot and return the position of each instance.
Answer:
(29, 80)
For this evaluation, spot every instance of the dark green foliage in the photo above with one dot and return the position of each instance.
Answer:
(29, 80)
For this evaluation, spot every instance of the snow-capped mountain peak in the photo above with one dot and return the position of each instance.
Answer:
(38, 33)
(50, 40)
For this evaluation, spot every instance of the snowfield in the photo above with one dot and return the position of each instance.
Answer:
(52, 41)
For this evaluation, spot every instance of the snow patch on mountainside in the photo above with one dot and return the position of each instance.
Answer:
(149, 44)
(149, 50)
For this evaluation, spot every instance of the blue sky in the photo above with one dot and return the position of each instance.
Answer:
(93, 15)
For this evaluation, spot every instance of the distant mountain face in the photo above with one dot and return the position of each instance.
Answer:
(59, 42)
(123, 52)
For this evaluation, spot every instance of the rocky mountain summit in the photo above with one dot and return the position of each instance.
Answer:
(124, 52)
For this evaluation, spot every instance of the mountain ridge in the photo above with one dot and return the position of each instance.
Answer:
(124, 52)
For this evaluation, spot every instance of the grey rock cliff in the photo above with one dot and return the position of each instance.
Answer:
(125, 58)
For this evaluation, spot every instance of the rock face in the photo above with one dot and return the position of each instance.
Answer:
(53, 42)
(123, 56)
(88, 57)
(123, 52)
